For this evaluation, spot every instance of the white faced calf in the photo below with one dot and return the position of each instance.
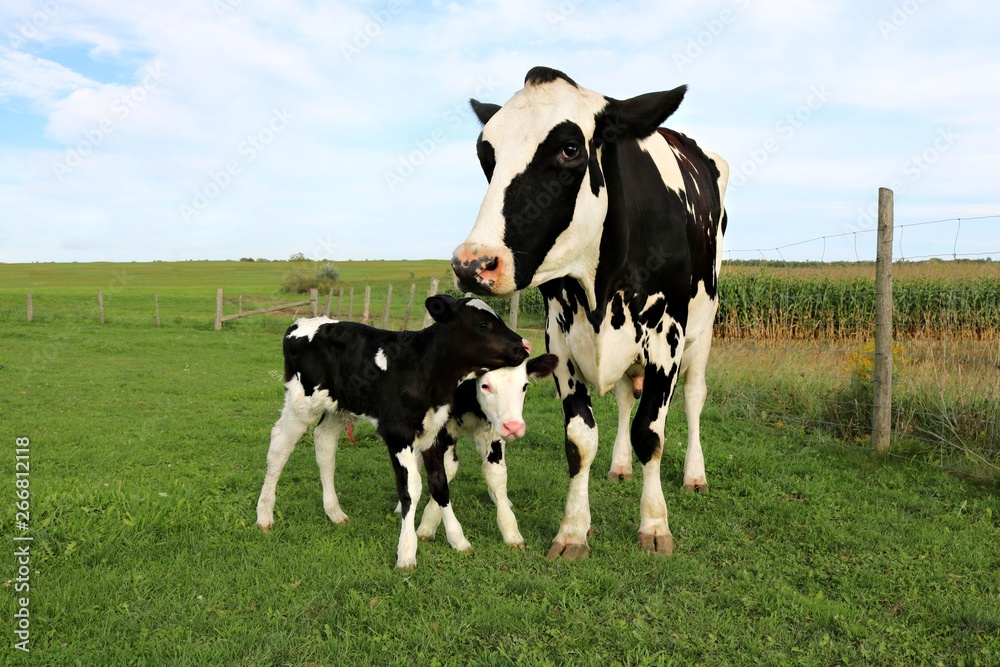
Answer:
(490, 409)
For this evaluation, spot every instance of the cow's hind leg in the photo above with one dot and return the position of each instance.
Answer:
(621, 458)
(693, 366)
(285, 433)
(581, 447)
(662, 370)
(326, 435)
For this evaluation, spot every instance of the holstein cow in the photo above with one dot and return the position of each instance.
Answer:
(402, 382)
(620, 225)
(489, 409)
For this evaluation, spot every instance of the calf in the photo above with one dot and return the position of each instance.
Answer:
(489, 409)
(402, 382)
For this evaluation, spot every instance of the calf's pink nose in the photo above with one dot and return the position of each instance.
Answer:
(512, 429)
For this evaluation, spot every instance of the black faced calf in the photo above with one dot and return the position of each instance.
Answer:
(402, 382)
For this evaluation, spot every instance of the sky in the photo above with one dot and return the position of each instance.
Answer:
(221, 129)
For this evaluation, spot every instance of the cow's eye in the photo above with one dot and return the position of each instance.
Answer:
(484, 325)
(570, 151)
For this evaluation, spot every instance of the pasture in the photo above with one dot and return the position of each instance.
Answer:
(147, 453)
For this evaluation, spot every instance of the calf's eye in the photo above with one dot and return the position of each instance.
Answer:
(570, 151)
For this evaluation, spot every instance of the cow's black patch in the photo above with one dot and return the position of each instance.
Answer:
(617, 311)
(573, 458)
(673, 339)
(570, 367)
(487, 156)
(539, 75)
(657, 389)
(539, 202)
(496, 452)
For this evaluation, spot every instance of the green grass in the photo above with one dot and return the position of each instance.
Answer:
(147, 454)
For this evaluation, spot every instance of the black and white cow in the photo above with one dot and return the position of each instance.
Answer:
(620, 224)
(402, 382)
(489, 409)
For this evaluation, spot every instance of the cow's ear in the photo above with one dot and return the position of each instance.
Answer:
(542, 366)
(638, 117)
(442, 307)
(484, 110)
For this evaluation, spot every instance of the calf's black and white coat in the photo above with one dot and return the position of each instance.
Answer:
(402, 382)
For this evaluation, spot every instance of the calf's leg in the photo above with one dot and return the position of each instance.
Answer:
(326, 435)
(285, 433)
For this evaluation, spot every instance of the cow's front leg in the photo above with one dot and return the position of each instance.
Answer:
(285, 433)
(492, 449)
(404, 464)
(693, 366)
(437, 483)
(581, 448)
(441, 465)
(663, 354)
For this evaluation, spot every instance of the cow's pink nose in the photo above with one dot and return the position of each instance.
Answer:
(512, 429)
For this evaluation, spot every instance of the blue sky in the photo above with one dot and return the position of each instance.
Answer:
(219, 129)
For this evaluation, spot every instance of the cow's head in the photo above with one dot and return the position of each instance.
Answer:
(546, 203)
(501, 393)
(478, 339)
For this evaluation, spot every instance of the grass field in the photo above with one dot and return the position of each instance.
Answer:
(147, 452)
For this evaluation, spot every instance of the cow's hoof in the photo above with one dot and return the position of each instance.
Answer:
(339, 518)
(265, 527)
(696, 486)
(425, 538)
(406, 564)
(620, 476)
(516, 545)
(658, 545)
(568, 551)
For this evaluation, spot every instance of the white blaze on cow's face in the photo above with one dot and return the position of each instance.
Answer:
(546, 202)
(501, 393)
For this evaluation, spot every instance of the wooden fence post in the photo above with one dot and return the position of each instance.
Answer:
(388, 303)
(340, 303)
(368, 303)
(431, 292)
(882, 401)
(218, 309)
(350, 305)
(239, 308)
(156, 305)
(329, 302)
(515, 305)
(313, 301)
(409, 306)
(100, 305)
(31, 309)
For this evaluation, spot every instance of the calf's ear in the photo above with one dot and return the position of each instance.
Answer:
(442, 307)
(637, 117)
(542, 366)
(484, 110)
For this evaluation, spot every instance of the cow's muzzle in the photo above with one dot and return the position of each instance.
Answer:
(483, 270)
